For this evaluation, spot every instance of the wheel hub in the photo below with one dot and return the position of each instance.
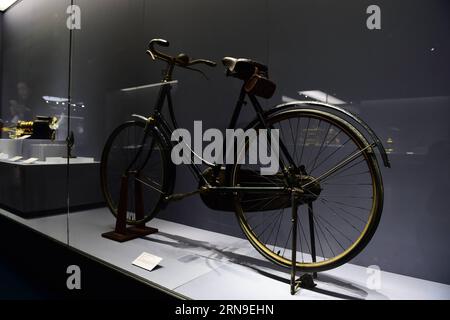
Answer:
(308, 184)
(312, 190)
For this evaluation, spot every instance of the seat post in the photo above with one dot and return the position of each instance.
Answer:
(237, 109)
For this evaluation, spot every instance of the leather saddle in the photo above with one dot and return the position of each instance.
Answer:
(255, 75)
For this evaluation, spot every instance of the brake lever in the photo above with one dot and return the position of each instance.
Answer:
(151, 55)
(197, 70)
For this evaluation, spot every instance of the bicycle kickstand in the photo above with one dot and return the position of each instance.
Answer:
(306, 280)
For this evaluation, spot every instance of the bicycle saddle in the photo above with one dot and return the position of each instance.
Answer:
(243, 68)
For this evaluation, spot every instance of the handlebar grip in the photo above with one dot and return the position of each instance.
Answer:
(157, 54)
(149, 52)
(160, 42)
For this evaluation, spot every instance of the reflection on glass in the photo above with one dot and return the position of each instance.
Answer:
(20, 106)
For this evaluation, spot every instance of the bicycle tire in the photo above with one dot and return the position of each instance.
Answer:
(110, 188)
(377, 189)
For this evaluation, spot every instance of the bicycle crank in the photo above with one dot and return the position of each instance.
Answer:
(181, 196)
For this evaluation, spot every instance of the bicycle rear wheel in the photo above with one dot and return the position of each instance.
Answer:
(340, 218)
(138, 154)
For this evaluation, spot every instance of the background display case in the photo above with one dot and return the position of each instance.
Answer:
(95, 75)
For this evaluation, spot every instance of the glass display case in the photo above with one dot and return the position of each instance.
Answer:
(74, 71)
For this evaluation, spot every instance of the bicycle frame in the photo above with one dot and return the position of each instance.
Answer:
(159, 120)
(293, 180)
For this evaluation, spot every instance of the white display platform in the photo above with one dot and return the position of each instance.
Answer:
(50, 161)
(44, 151)
(200, 264)
(32, 148)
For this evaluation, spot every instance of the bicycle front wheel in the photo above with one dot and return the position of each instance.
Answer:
(137, 153)
(341, 215)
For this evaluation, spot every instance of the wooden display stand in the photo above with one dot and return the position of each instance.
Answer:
(121, 232)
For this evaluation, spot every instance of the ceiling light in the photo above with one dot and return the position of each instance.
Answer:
(321, 96)
(5, 4)
(54, 99)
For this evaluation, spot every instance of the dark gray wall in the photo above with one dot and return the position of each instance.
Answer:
(35, 53)
(35, 56)
(1, 59)
(396, 78)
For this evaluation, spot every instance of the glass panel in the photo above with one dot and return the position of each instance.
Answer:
(109, 62)
(34, 104)
(84, 83)
(114, 79)
(336, 60)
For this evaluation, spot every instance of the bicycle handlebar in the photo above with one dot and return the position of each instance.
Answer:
(204, 61)
(155, 54)
(181, 60)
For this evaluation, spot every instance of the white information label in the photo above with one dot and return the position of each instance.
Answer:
(13, 159)
(30, 160)
(147, 261)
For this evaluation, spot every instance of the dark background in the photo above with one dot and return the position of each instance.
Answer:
(396, 78)
(46, 277)
(1, 51)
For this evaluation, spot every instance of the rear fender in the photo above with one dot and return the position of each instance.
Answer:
(367, 131)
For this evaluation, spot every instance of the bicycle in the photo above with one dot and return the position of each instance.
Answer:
(328, 171)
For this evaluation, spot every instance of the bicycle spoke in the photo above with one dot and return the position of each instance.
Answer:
(304, 141)
(149, 180)
(304, 235)
(317, 130)
(318, 238)
(330, 155)
(347, 184)
(265, 202)
(295, 140)
(287, 240)
(315, 217)
(321, 147)
(327, 145)
(348, 222)
(332, 235)
(348, 205)
(351, 214)
(339, 166)
(277, 216)
(345, 196)
(278, 231)
(282, 136)
(273, 219)
(337, 173)
(149, 185)
(264, 220)
(299, 239)
(340, 176)
(258, 199)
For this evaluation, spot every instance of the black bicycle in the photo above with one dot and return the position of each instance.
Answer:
(328, 171)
